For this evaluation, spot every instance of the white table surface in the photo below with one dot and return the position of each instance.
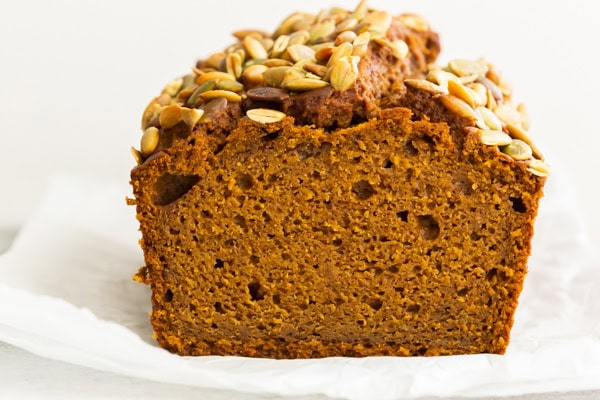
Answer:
(75, 72)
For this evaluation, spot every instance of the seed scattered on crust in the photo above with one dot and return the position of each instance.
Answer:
(344, 72)
(191, 116)
(304, 84)
(299, 52)
(414, 22)
(173, 87)
(232, 86)
(379, 22)
(253, 75)
(254, 47)
(518, 150)
(243, 33)
(277, 62)
(216, 76)
(321, 30)
(538, 167)
(490, 119)
(463, 67)
(517, 132)
(494, 138)
(149, 141)
(226, 94)
(265, 115)
(458, 107)
(318, 70)
(233, 64)
(280, 45)
(345, 36)
(137, 156)
(361, 44)
(170, 116)
(270, 94)
(151, 112)
(422, 84)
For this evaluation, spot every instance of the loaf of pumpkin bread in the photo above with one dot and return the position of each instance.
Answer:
(328, 190)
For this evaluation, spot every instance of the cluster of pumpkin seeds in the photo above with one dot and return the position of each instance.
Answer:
(474, 89)
(305, 52)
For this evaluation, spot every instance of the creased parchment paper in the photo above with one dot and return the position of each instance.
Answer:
(66, 293)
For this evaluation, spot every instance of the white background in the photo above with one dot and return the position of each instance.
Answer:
(75, 77)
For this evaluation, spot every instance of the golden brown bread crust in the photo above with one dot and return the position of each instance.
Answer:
(385, 230)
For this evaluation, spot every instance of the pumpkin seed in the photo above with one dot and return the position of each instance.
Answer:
(455, 88)
(344, 72)
(518, 150)
(494, 137)
(277, 75)
(323, 54)
(458, 107)
(346, 25)
(191, 116)
(269, 94)
(216, 76)
(253, 75)
(517, 132)
(304, 84)
(379, 22)
(321, 30)
(414, 22)
(232, 86)
(173, 87)
(316, 69)
(490, 119)
(345, 36)
(361, 44)
(508, 114)
(212, 108)
(538, 168)
(149, 141)
(195, 98)
(265, 115)
(343, 50)
(277, 62)
(151, 112)
(170, 116)
(425, 85)
(280, 45)
(299, 37)
(299, 52)
(213, 94)
(233, 64)
(243, 33)
(215, 60)
(491, 86)
(254, 48)
(164, 99)
(287, 25)
(441, 77)
(463, 67)
(137, 156)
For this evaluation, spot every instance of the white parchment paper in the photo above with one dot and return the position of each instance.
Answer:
(66, 293)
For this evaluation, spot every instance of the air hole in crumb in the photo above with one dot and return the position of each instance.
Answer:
(244, 181)
(316, 266)
(241, 221)
(475, 236)
(463, 292)
(413, 308)
(517, 204)
(410, 149)
(362, 189)
(168, 296)
(230, 242)
(171, 187)
(254, 259)
(286, 256)
(271, 136)
(491, 274)
(376, 304)
(214, 326)
(337, 242)
(428, 226)
(393, 268)
(387, 164)
(403, 215)
(219, 148)
(257, 291)
(361, 322)
(218, 263)
(276, 299)
(306, 150)
(219, 307)
(422, 351)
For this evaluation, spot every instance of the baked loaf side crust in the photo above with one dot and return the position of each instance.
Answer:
(394, 217)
